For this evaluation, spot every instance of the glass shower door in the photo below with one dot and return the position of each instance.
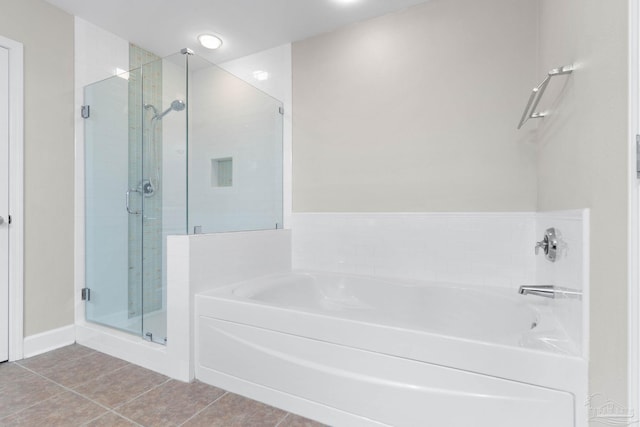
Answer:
(135, 192)
(113, 206)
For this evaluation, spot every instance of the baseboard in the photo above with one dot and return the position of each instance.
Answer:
(49, 340)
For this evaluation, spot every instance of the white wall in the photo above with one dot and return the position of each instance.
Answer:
(416, 111)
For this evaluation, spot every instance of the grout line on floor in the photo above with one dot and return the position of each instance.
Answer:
(283, 418)
(116, 414)
(140, 395)
(76, 361)
(93, 419)
(106, 373)
(40, 401)
(127, 418)
(71, 390)
(19, 362)
(31, 406)
(88, 398)
(97, 377)
(107, 410)
(210, 404)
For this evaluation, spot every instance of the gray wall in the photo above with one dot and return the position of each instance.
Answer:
(47, 35)
(583, 159)
(417, 111)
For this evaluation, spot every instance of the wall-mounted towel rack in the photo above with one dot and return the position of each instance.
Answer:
(536, 94)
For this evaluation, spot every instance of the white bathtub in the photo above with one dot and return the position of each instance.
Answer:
(352, 350)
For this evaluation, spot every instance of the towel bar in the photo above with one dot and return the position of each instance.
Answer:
(538, 91)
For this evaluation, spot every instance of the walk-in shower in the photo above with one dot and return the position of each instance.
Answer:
(174, 146)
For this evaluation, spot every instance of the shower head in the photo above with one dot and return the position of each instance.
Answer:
(176, 105)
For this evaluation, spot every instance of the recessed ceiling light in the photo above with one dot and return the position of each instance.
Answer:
(210, 41)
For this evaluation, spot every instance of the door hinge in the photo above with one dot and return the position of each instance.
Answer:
(86, 294)
(85, 111)
(281, 110)
(9, 220)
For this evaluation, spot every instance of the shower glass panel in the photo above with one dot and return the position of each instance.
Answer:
(173, 147)
(235, 152)
(163, 183)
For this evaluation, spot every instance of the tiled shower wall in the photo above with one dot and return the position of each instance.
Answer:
(478, 248)
(145, 235)
(570, 270)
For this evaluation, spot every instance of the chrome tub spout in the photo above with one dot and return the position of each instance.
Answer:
(549, 291)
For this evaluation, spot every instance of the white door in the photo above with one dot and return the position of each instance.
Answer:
(4, 204)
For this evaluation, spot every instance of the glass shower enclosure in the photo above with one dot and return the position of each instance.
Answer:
(175, 146)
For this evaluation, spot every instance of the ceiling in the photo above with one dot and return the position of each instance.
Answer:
(246, 26)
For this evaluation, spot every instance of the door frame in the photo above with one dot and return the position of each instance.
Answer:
(16, 196)
(633, 347)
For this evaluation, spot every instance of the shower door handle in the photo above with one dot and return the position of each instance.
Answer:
(127, 199)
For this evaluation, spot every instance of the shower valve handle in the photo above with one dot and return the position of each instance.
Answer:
(549, 245)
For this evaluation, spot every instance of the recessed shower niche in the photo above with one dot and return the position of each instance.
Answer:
(152, 155)
(222, 172)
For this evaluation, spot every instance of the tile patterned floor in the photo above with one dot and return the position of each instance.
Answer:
(61, 388)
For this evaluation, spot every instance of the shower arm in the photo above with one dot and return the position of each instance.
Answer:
(151, 107)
